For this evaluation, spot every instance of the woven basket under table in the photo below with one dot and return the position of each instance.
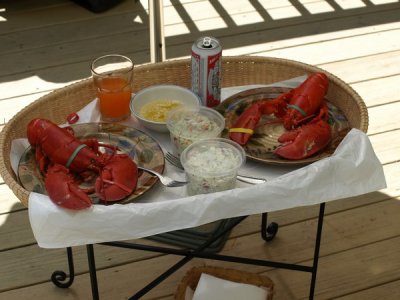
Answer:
(192, 277)
(236, 71)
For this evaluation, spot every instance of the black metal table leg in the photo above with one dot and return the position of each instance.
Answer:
(59, 277)
(316, 250)
(268, 232)
(92, 272)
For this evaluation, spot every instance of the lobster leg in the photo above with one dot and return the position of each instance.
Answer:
(63, 190)
(41, 159)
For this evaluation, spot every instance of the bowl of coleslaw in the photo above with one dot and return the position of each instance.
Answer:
(152, 104)
(211, 165)
(190, 124)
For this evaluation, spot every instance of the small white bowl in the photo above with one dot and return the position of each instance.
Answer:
(161, 92)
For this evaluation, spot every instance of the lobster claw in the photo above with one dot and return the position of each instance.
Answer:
(308, 139)
(244, 126)
(304, 141)
(117, 179)
(63, 190)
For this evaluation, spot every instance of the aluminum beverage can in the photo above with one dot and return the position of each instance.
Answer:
(206, 70)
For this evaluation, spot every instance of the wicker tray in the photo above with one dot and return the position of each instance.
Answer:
(236, 71)
(192, 277)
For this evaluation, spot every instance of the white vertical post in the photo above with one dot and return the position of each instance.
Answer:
(156, 25)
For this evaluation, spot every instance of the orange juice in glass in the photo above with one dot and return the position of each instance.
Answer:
(113, 76)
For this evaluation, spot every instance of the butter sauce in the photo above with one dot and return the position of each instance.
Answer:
(157, 110)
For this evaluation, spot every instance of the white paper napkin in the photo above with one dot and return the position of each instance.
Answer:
(214, 288)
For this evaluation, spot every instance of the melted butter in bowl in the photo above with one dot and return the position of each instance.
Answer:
(157, 110)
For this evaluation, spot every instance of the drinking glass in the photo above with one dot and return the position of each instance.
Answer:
(113, 77)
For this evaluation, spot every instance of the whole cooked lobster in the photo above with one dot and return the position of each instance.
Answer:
(302, 111)
(66, 161)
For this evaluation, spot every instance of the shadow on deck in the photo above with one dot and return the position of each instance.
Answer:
(259, 25)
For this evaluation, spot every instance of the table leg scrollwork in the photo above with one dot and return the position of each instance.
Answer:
(59, 278)
(268, 231)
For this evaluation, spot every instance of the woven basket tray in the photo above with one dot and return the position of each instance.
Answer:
(236, 71)
(192, 277)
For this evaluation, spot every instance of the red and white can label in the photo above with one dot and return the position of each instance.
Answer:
(206, 75)
(213, 80)
(196, 74)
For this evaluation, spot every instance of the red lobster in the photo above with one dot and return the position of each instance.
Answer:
(61, 157)
(302, 111)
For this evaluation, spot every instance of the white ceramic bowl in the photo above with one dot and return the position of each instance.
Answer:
(211, 165)
(161, 92)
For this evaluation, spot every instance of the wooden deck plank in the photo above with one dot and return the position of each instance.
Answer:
(309, 53)
(379, 91)
(374, 66)
(17, 7)
(385, 146)
(9, 202)
(368, 267)
(27, 15)
(383, 118)
(72, 52)
(387, 291)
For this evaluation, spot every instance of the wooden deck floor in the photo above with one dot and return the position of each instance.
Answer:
(46, 44)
